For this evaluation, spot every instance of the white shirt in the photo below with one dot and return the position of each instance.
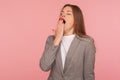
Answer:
(65, 44)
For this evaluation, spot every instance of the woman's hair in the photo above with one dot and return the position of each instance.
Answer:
(79, 27)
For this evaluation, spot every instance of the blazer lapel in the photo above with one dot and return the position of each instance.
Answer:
(60, 60)
(71, 51)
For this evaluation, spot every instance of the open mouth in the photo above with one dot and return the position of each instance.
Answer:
(63, 20)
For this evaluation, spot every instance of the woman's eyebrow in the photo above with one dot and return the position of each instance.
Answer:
(67, 11)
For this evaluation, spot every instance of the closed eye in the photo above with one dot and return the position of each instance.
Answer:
(68, 13)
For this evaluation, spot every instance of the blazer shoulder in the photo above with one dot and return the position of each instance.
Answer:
(86, 39)
(50, 38)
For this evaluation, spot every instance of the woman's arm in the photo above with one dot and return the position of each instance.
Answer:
(51, 47)
(89, 61)
(49, 54)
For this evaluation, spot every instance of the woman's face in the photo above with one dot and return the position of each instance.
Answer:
(67, 15)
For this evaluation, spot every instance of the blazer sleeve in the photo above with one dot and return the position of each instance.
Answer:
(89, 60)
(49, 54)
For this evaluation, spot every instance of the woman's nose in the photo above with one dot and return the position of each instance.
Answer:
(63, 15)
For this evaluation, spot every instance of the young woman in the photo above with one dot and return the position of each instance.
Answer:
(70, 53)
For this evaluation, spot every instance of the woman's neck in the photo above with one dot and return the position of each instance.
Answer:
(68, 33)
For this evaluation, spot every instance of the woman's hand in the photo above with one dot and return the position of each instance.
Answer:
(59, 32)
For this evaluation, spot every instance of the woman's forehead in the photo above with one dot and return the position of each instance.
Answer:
(67, 8)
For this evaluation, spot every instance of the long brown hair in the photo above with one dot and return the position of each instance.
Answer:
(79, 27)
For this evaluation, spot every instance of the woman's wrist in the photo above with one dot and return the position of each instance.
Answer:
(56, 41)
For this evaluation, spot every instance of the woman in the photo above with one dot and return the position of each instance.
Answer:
(70, 53)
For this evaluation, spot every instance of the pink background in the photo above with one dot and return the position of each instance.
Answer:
(25, 25)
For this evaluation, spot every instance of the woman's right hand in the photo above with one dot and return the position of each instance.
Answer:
(59, 32)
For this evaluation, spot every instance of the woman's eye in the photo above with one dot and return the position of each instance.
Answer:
(68, 14)
(65, 13)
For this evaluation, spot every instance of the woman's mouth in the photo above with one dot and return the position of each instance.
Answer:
(63, 20)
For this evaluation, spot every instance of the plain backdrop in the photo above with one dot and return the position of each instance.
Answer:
(25, 25)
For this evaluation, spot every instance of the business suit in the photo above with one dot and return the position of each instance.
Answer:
(79, 63)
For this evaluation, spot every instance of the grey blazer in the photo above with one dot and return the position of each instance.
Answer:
(79, 63)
